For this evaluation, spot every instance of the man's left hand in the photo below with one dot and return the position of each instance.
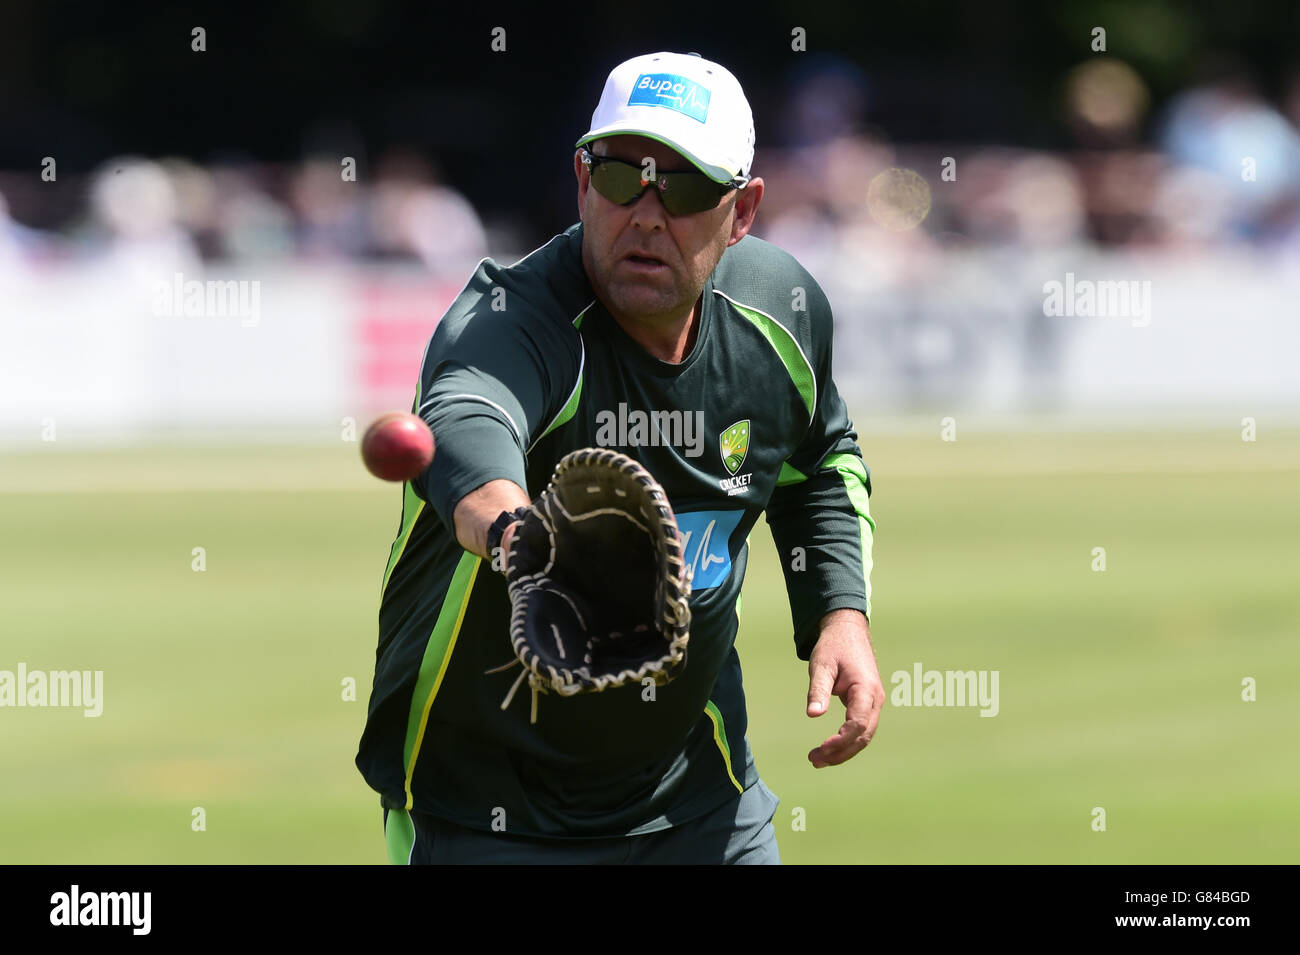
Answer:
(843, 663)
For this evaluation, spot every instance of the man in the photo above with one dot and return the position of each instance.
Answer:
(656, 327)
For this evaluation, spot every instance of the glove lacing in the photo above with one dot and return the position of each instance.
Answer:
(534, 683)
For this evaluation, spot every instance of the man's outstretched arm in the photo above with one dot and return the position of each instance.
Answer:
(820, 515)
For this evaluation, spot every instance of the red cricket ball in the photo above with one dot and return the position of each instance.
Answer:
(397, 446)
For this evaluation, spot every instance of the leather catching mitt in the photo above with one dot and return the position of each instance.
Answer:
(598, 585)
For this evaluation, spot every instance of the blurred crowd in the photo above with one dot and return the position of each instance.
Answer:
(1217, 165)
(174, 212)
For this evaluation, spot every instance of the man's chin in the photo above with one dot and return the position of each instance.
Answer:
(639, 302)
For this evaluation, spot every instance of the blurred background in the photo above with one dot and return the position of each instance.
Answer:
(335, 170)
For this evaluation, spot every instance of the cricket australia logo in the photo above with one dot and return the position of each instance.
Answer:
(733, 443)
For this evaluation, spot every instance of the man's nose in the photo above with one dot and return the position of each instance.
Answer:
(648, 208)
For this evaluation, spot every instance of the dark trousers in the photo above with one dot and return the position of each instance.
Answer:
(739, 832)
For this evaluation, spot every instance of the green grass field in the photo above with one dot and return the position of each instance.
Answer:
(1119, 689)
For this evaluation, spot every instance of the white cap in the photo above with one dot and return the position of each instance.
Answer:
(684, 101)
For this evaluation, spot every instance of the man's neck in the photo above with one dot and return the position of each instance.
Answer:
(671, 341)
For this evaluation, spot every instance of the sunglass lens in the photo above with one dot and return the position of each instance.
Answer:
(686, 193)
(616, 181)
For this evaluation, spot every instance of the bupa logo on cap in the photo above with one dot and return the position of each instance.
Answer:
(672, 92)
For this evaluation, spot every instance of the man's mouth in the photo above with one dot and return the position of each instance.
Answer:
(644, 262)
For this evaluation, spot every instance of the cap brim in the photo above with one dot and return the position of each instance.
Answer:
(716, 173)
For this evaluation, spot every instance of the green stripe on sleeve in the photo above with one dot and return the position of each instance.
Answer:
(437, 655)
(792, 356)
(789, 475)
(411, 508)
(720, 737)
(571, 406)
(399, 834)
(854, 473)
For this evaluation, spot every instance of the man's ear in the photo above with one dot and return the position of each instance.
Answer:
(583, 175)
(746, 202)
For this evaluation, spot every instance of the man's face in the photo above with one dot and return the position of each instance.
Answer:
(646, 265)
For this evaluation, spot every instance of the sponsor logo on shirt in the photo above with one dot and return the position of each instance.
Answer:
(705, 536)
(673, 92)
(733, 444)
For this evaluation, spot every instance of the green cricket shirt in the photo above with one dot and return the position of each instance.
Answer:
(525, 366)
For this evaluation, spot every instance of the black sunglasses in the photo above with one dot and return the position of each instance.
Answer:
(682, 193)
